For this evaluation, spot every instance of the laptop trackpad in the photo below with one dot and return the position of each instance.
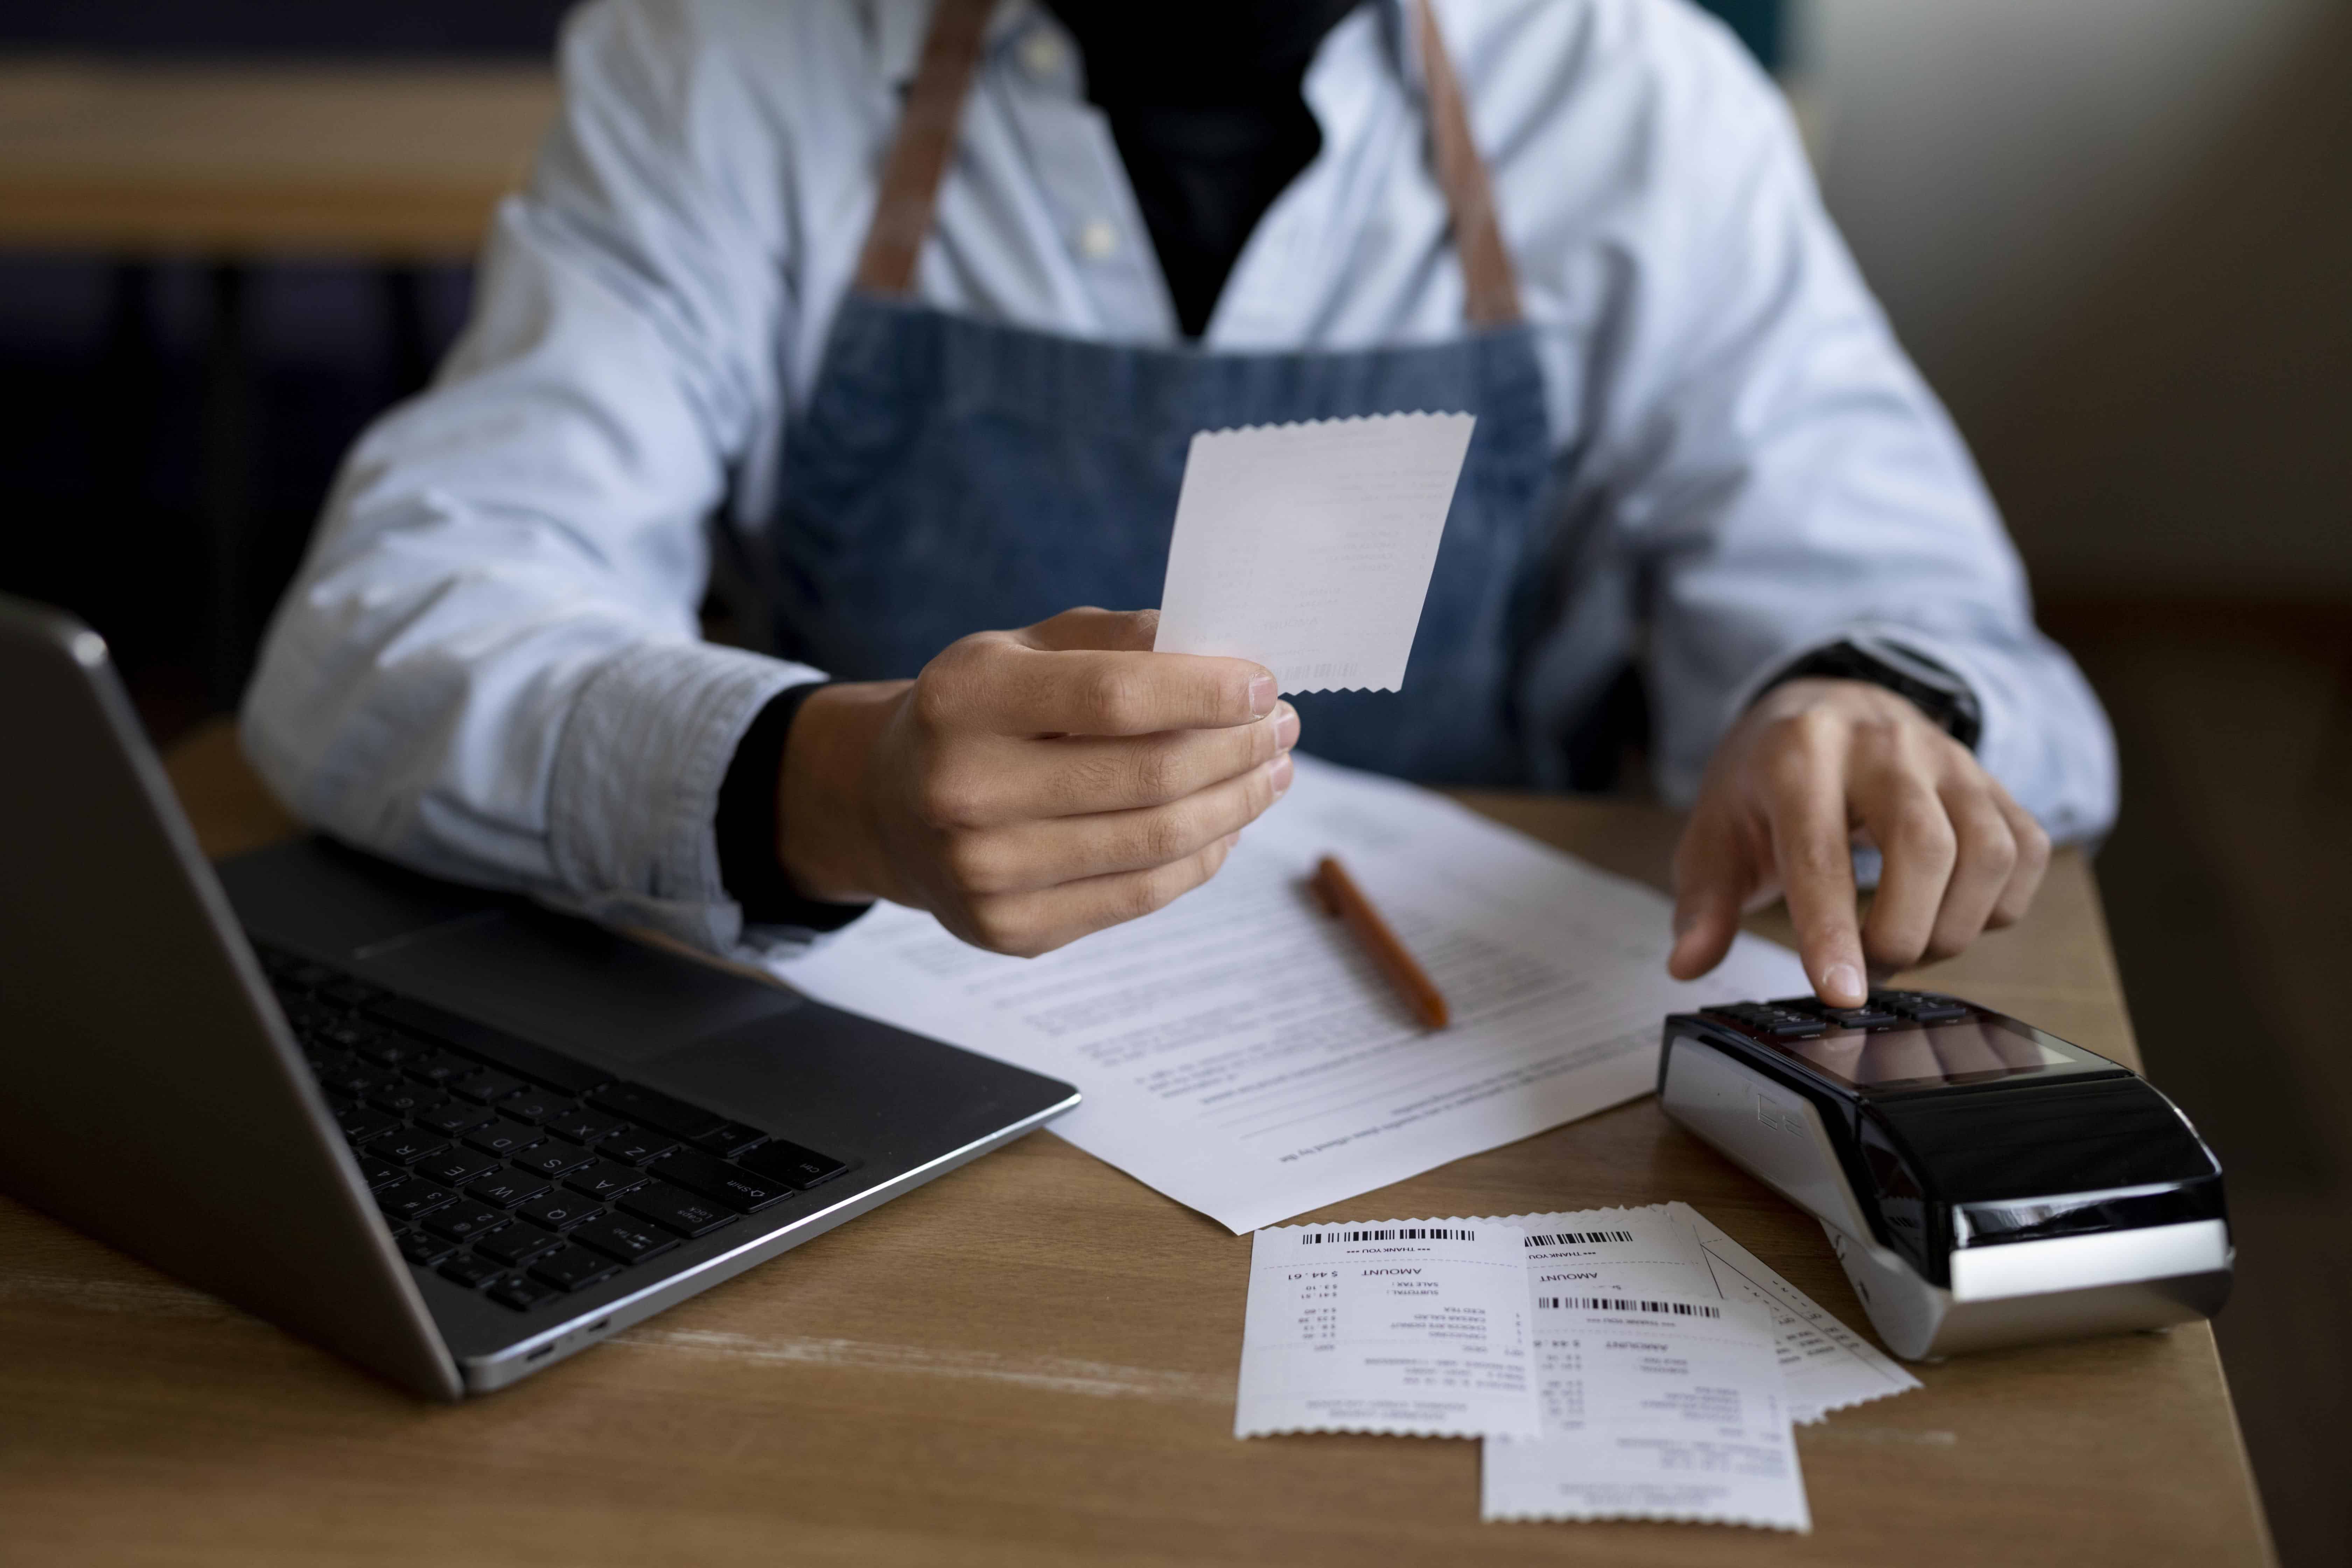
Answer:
(571, 986)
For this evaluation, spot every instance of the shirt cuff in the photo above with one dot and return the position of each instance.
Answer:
(746, 828)
(635, 791)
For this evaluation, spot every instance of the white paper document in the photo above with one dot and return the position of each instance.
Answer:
(1654, 1408)
(1416, 1327)
(1239, 1051)
(1308, 547)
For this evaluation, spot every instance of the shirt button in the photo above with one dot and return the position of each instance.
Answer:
(1042, 53)
(1097, 241)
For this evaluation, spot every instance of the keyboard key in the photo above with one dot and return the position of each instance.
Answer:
(453, 1116)
(521, 1058)
(347, 992)
(404, 1145)
(412, 1199)
(506, 1188)
(624, 1239)
(487, 1087)
(635, 1147)
(604, 1179)
(358, 1082)
(464, 1220)
(454, 1167)
(537, 1105)
(382, 1046)
(440, 1067)
(583, 1125)
(380, 1173)
(520, 1293)
(470, 1271)
(674, 1208)
(730, 1139)
(572, 1268)
(405, 1098)
(552, 1158)
(738, 1189)
(360, 1123)
(559, 1210)
(655, 1108)
(500, 1136)
(787, 1162)
(424, 1248)
(517, 1243)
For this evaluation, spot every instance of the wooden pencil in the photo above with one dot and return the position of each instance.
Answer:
(1338, 894)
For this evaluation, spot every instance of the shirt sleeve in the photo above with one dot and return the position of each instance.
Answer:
(1767, 473)
(489, 664)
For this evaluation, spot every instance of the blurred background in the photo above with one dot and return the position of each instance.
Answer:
(2115, 234)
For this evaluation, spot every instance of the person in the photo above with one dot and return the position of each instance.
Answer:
(895, 318)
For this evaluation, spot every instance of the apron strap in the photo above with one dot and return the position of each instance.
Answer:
(927, 136)
(1491, 289)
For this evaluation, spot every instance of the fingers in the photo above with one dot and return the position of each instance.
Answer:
(1713, 877)
(1027, 924)
(1959, 857)
(1114, 631)
(999, 683)
(1811, 843)
(1077, 775)
(1030, 856)
(1896, 801)
(1794, 779)
(2032, 862)
(1987, 855)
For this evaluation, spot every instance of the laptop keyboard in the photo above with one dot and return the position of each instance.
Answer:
(516, 1170)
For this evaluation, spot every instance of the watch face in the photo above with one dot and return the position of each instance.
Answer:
(1985, 1048)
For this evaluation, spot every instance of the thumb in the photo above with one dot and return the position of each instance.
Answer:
(1711, 883)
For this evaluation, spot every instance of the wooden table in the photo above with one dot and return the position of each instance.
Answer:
(1032, 1362)
(381, 162)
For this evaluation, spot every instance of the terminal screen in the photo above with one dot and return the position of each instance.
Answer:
(1967, 1051)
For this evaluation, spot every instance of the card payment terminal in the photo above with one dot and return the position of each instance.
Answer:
(1984, 1183)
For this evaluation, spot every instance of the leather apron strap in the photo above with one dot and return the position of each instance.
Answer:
(927, 136)
(1490, 287)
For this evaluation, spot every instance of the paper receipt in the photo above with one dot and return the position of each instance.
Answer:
(1654, 1408)
(1672, 1248)
(1308, 547)
(1413, 1326)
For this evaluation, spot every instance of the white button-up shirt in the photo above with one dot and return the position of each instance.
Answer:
(490, 665)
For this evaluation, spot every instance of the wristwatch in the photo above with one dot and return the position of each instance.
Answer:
(1932, 688)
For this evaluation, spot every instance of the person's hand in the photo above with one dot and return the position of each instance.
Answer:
(1814, 767)
(1031, 786)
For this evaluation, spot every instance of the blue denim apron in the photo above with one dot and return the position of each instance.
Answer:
(951, 476)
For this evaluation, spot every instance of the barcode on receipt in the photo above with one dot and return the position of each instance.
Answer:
(1402, 1233)
(1575, 1238)
(1626, 1304)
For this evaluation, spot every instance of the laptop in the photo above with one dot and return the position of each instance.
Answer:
(451, 1135)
